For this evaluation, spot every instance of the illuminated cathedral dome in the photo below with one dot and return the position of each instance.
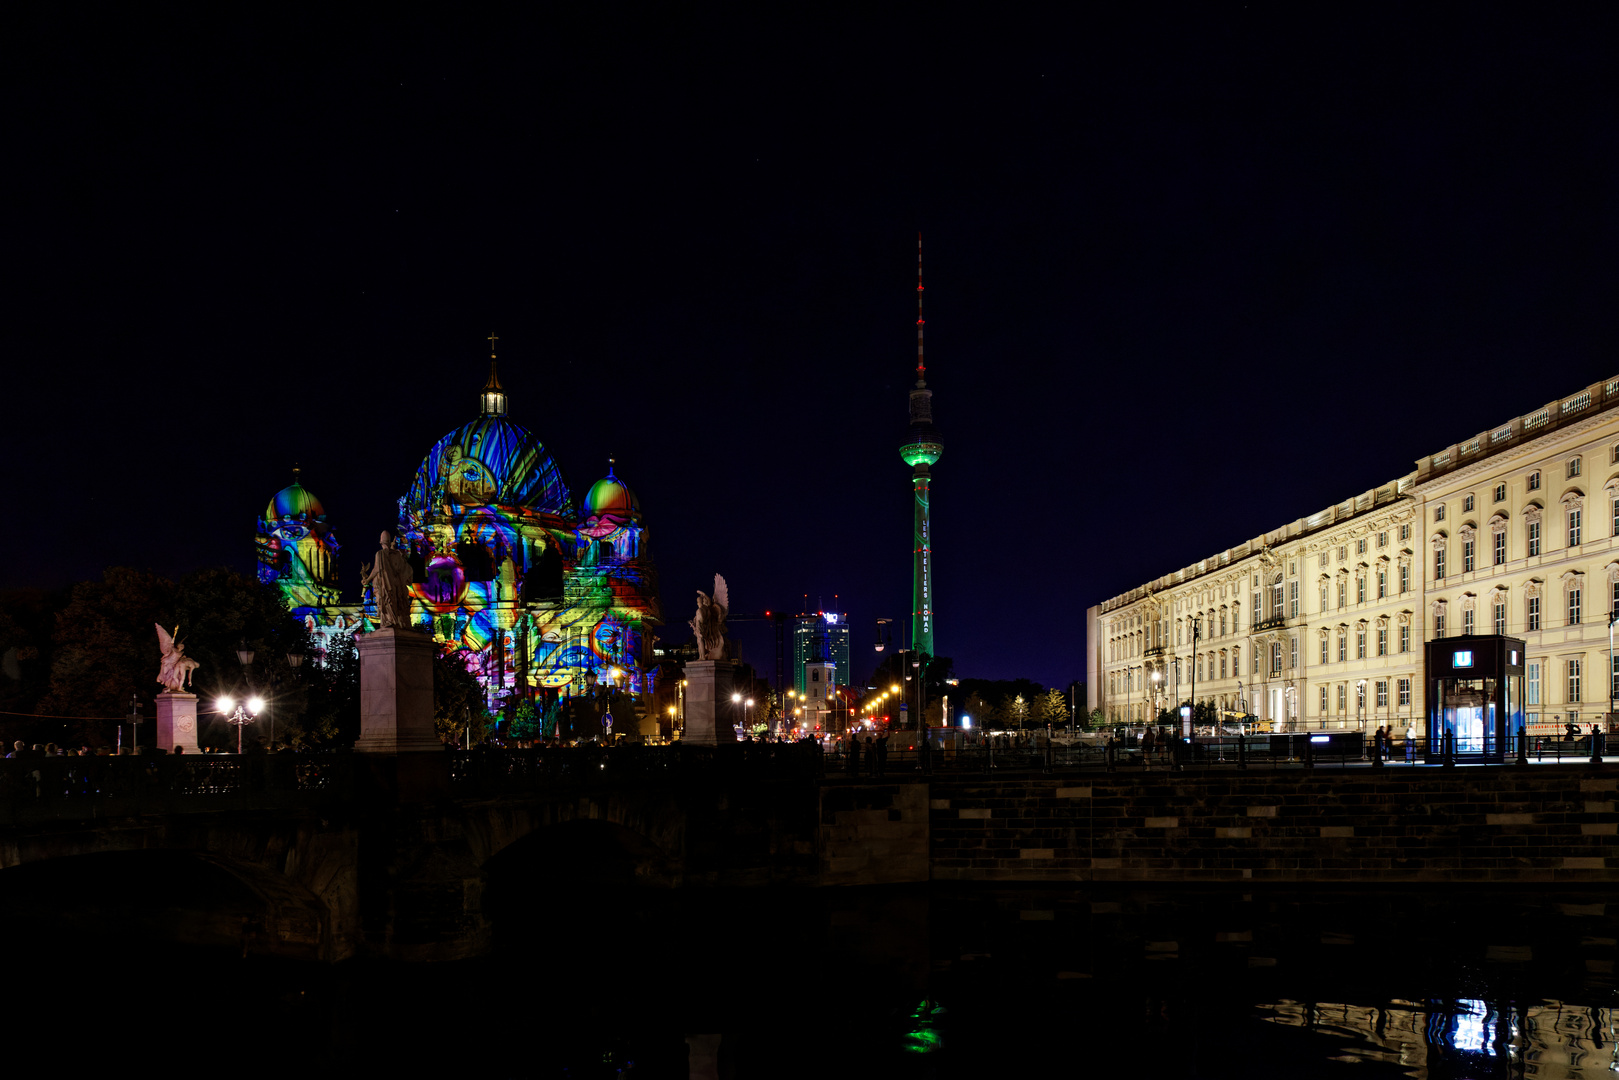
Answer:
(490, 461)
(609, 504)
(294, 501)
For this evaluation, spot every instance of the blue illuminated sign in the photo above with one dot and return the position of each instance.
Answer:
(1461, 658)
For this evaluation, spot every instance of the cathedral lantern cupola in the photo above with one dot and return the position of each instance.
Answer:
(492, 402)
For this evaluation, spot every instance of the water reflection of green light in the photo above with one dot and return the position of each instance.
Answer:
(924, 1037)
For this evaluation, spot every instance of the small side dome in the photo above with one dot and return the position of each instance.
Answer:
(294, 501)
(610, 504)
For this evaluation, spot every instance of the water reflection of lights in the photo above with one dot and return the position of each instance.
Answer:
(1549, 1040)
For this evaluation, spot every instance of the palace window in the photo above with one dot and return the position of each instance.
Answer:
(1501, 619)
(1360, 645)
(1500, 493)
(1501, 547)
(1532, 686)
(1276, 600)
(1532, 613)
(1439, 565)
(1292, 599)
(1343, 697)
(1383, 539)
(1222, 622)
(1382, 584)
(1236, 660)
(1343, 593)
(1439, 624)
(1467, 556)
(1323, 598)
(1574, 528)
(1405, 533)
(1323, 560)
(1467, 504)
(1360, 546)
(1382, 641)
(1323, 700)
(1405, 638)
(1613, 604)
(1293, 652)
(1574, 680)
(1343, 647)
(1222, 665)
(1573, 467)
(1439, 512)
(1382, 695)
(1574, 607)
(1613, 677)
(1275, 657)
(1323, 650)
(1360, 588)
(1405, 692)
(1405, 578)
(1467, 622)
(1292, 568)
(1256, 661)
(1534, 538)
(1616, 517)
(1343, 552)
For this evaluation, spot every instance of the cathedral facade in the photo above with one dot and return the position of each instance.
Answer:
(543, 597)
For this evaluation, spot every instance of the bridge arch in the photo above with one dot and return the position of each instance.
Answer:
(165, 894)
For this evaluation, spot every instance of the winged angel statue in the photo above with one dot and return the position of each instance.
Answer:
(708, 625)
(175, 672)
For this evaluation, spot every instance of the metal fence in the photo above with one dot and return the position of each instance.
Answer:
(1293, 750)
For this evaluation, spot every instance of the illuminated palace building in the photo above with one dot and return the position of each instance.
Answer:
(537, 594)
(1321, 623)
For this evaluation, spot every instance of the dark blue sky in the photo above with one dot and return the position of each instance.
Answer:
(1192, 272)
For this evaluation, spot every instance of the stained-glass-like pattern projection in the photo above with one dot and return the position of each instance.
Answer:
(539, 595)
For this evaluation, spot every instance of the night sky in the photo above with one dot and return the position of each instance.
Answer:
(1191, 273)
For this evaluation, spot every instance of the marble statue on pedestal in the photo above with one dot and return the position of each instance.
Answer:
(390, 579)
(175, 671)
(708, 625)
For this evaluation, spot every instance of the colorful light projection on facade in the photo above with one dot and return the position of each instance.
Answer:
(297, 549)
(505, 569)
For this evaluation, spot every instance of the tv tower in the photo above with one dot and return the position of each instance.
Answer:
(921, 449)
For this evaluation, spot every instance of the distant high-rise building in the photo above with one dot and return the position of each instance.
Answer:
(921, 449)
(821, 636)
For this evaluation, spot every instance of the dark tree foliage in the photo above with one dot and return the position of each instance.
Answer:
(457, 698)
(105, 647)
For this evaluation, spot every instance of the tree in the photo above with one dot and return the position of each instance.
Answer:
(1014, 711)
(1051, 708)
(106, 648)
(457, 697)
(1098, 719)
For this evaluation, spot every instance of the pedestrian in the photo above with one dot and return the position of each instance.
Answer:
(1149, 742)
(19, 750)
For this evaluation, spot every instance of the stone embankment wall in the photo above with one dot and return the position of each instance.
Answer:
(1394, 826)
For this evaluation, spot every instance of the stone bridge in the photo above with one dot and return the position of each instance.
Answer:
(415, 856)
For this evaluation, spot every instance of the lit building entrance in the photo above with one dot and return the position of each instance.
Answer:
(1475, 696)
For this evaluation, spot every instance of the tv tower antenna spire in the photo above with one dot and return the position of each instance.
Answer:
(921, 368)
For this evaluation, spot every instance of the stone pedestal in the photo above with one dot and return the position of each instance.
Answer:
(709, 710)
(396, 693)
(177, 721)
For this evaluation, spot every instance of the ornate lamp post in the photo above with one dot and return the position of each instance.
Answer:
(239, 714)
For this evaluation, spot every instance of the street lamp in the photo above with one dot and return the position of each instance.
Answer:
(135, 718)
(1360, 705)
(239, 714)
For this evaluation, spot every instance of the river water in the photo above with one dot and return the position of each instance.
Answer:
(904, 982)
